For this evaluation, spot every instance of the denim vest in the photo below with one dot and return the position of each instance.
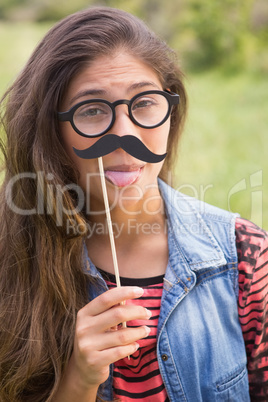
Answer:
(200, 347)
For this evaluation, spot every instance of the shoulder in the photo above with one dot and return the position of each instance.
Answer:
(186, 205)
(197, 215)
(247, 230)
(252, 251)
(251, 243)
(200, 226)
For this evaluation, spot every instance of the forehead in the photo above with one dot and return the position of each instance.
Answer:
(117, 76)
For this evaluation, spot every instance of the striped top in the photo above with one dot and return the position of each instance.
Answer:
(252, 248)
(138, 378)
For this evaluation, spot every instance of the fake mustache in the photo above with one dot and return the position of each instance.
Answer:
(109, 143)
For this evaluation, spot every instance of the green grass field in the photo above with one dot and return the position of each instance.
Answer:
(223, 156)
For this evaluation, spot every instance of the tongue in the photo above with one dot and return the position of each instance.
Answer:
(122, 179)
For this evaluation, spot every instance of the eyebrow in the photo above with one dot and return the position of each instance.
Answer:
(101, 92)
(143, 84)
(87, 92)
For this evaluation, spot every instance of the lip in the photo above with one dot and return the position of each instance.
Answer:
(123, 168)
(123, 175)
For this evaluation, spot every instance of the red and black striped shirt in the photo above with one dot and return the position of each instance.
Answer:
(252, 249)
(138, 378)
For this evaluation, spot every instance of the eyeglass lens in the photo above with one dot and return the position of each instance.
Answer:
(95, 117)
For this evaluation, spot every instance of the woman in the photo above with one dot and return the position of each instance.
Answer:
(96, 73)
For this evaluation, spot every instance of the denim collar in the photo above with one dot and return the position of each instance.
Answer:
(191, 241)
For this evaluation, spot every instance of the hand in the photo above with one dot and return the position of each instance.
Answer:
(97, 342)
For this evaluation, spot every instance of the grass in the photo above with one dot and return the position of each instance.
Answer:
(17, 40)
(223, 156)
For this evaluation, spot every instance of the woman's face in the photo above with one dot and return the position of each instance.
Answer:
(113, 78)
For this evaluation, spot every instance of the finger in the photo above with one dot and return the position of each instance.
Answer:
(120, 352)
(104, 358)
(88, 326)
(118, 314)
(122, 337)
(111, 298)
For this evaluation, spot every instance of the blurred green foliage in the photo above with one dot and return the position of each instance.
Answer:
(223, 151)
(229, 33)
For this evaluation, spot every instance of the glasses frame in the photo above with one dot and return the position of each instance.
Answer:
(171, 97)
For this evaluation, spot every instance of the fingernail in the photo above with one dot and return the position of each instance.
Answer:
(138, 291)
(148, 313)
(136, 346)
(147, 330)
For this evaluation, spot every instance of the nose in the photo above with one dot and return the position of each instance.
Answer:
(123, 124)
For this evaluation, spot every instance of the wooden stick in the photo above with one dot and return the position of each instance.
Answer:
(110, 227)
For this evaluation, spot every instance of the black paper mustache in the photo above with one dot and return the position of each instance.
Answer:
(109, 143)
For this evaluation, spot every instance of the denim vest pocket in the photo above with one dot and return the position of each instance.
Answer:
(234, 388)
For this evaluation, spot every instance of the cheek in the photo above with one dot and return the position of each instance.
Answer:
(73, 140)
(157, 141)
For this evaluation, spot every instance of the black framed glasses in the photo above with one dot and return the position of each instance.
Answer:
(95, 117)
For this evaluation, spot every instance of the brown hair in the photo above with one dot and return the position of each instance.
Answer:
(42, 280)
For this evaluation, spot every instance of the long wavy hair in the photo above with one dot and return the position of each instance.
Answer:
(43, 281)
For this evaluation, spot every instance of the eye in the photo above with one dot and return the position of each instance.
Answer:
(143, 103)
(92, 111)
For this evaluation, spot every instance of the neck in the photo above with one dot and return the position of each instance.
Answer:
(131, 216)
(139, 229)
